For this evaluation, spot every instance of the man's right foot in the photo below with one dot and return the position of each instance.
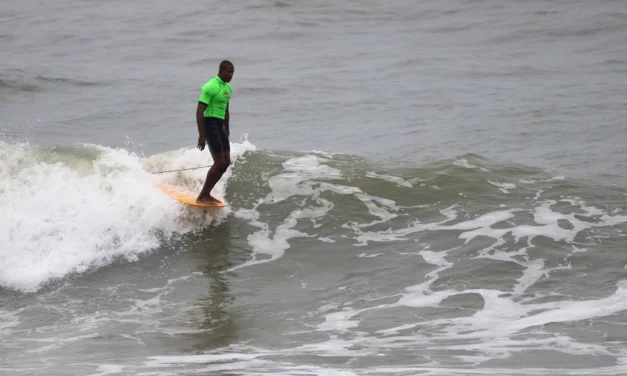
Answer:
(208, 200)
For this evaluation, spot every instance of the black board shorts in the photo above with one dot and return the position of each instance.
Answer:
(215, 136)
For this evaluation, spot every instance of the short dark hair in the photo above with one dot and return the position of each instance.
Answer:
(225, 64)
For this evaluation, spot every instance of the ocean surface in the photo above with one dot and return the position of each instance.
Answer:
(418, 188)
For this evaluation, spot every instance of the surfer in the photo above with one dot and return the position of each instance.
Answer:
(212, 118)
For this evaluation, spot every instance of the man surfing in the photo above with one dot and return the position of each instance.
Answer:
(212, 118)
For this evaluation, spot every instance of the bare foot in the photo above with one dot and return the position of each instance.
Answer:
(208, 200)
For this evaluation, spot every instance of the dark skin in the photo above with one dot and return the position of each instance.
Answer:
(221, 161)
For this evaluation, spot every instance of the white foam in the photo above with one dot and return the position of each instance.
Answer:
(339, 321)
(435, 258)
(243, 364)
(108, 369)
(493, 331)
(503, 187)
(490, 332)
(301, 169)
(304, 176)
(482, 225)
(549, 225)
(505, 322)
(363, 255)
(464, 163)
(392, 179)
(160, 361)
(59, 219)
(264, 242)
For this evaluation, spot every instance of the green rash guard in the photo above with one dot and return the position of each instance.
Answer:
(216, 95)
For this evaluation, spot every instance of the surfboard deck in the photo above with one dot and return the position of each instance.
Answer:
(186, 197)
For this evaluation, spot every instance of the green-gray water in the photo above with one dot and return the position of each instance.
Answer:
(418, 188)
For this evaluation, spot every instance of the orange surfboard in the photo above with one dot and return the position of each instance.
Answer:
(186, 197)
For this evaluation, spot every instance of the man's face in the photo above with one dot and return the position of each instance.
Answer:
(227, 73)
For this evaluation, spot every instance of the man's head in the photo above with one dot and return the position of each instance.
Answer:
(225, 72)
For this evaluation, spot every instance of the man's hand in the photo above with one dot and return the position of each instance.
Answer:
(201, 143)
(200, 123)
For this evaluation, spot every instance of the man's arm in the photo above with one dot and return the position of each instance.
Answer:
(200, 122)
(226, 121)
